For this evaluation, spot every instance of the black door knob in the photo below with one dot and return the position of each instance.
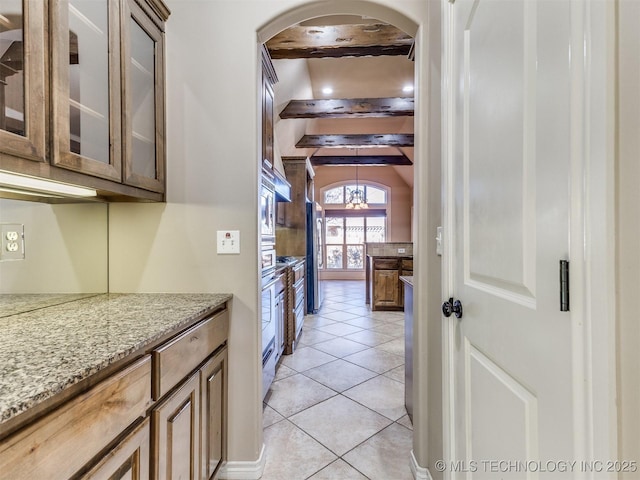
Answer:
(452, 307)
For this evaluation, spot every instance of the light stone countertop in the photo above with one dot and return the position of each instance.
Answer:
(45, 350)
(407, 279)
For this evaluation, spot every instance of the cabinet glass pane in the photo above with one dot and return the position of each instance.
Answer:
(143, 112)
(89, 78)
(12, 101)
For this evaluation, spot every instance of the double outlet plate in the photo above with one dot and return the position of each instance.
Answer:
(11, 241)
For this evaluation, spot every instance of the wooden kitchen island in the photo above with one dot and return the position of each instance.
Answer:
(113, 385)
(385, 291)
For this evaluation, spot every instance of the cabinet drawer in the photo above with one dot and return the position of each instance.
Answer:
(298, 272)
(298, 296)
(385, 264)
(65, 440)
(174, 360)
(407, 264)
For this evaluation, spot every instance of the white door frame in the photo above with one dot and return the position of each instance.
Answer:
(592, 222)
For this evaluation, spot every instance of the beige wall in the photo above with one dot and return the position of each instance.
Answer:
(213, 148)
(399, 218)
(628, 232)
(65, 248)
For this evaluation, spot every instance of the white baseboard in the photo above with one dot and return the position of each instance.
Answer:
(244, 470)
(419, 473)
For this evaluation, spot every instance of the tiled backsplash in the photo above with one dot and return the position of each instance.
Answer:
(389, 249)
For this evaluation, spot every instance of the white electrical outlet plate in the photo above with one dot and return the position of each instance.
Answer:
(402, 250)
(11, 241)
(228, 242)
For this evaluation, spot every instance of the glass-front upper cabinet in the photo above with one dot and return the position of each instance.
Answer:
(86, 85)
(143, 79)
(22, 79)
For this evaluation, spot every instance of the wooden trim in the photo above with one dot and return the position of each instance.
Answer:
(133, 10)
(339, 41)
(360, 160)
(32, 145)
(356, 140)
(349, 108)
(343, 212)
(267, 66)
(157, 10)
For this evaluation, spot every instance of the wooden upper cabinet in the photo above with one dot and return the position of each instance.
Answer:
(143, 98)
(85, 67)
(269, 79)
(22, 79)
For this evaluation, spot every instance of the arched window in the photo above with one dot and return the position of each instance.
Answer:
(347, 230)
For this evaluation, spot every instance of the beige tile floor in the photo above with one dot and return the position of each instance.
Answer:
(336, 408)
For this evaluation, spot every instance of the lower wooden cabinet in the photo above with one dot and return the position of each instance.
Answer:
(129, 460)
(213, 391)
(114, 430)
(386, 288)
(63, 442)
(176, 438)
(189, 426)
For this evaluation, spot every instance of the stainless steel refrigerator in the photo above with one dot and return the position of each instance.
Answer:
(314, 257)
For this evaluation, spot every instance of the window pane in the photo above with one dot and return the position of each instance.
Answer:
(355, 255)
(350, 189)
(376, 229)
(335, 195)
(335, 230)
(355, 230)
(334, 256)
(376, 195)
(11, 67)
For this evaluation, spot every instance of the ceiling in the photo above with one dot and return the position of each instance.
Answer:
(360, 58)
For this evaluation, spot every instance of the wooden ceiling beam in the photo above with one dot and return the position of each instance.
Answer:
(356, 140)
(349, 108)
(317, 160)
(339, 41)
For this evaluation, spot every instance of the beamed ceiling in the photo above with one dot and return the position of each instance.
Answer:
(375, 57)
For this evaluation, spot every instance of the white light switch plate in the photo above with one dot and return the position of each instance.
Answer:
(439, 241)
(228, 242)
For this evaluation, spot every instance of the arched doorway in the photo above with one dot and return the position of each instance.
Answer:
(413, 22)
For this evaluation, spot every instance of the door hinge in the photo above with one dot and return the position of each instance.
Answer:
(564, 285)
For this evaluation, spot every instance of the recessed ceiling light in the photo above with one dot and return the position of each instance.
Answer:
(407, 88)
(327, 90)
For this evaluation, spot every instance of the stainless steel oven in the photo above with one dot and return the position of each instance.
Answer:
(267, 209)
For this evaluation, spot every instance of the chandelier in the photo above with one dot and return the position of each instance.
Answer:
(357, 200)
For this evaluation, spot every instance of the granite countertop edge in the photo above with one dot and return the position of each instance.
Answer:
(48, 349)
(408, 279)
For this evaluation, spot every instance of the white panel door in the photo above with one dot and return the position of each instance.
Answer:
(511, 158)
